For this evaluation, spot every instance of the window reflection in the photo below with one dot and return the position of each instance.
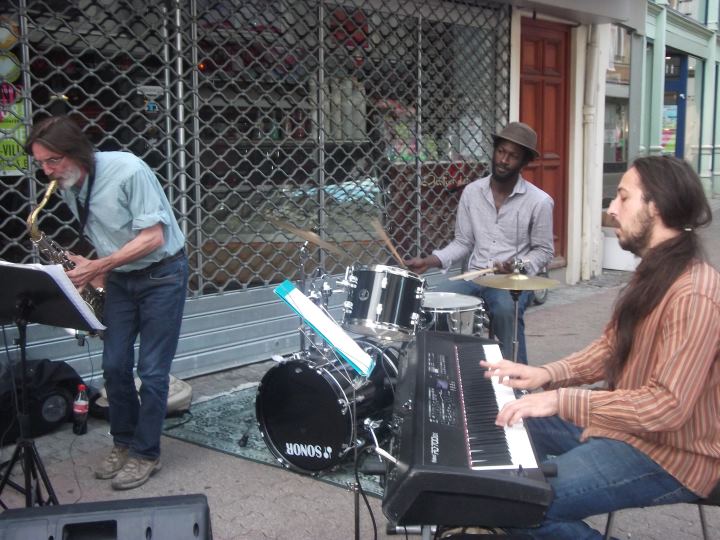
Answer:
(689, 8)
(615, 147)
(692, 112)
(619, 65)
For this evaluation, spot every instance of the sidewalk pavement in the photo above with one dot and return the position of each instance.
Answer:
(253, 501)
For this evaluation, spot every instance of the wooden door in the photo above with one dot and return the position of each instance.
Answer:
(544, 69)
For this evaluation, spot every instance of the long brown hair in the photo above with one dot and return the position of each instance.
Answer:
(62, 135)
(678, 195)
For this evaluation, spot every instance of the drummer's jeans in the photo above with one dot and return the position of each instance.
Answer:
(593, 478)
(501, 309)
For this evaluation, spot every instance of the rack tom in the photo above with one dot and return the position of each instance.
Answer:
(382, 302)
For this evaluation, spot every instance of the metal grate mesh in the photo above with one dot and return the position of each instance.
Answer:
(260, 116)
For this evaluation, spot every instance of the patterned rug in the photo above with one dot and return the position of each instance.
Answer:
(227, 423)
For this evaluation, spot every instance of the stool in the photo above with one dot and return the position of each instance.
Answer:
(713, 499)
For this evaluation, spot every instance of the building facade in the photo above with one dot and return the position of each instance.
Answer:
(271, 122)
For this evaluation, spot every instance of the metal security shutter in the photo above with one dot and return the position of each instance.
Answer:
(315, 115)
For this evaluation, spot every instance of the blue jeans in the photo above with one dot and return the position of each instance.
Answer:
(149, 304)
(595, 477)
(501, 309)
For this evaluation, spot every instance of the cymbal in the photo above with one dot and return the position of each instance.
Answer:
(517, 282)
(308, 236)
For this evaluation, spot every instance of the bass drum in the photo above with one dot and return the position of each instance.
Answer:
(304, 407)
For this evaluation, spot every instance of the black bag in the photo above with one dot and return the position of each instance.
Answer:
(51, 388)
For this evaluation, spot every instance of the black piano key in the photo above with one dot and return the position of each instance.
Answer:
(486, 441)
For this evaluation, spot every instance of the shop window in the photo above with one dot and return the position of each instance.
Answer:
(693, 112)
(694, 9)
(619, 63)
(681, 107)
(615, 147)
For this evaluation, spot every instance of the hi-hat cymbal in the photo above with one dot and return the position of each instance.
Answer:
(309, 236)
(517, 282)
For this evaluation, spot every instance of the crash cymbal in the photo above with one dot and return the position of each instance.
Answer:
(517, 282)
(309, 236)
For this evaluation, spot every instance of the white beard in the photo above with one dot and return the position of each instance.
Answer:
(70, 177)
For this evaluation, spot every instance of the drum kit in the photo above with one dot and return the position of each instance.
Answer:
(313, 410)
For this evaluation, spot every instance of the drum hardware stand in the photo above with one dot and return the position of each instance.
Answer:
(516, 298)
(518, 265)
(371, 425)
(304, 256)
(320, 296)
(407, 530)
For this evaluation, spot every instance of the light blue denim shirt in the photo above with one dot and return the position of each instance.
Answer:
(126, 198)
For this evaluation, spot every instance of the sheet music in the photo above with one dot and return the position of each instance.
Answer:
(328, 329)
(56, 272)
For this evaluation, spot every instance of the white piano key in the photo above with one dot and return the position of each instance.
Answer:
(516, 436)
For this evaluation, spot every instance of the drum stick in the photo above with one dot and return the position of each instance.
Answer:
(383, 235)
(467, 276)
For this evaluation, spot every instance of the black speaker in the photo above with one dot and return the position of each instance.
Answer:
(178, 517)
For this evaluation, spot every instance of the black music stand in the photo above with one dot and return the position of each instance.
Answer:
(44, 295)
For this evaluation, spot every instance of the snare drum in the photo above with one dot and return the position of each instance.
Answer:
(382, 302)
(310, 412)
(454, 313)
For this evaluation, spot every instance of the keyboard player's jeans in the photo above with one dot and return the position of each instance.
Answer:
(501, 309)
(595, 477)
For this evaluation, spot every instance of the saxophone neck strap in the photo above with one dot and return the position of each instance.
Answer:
(85, 208)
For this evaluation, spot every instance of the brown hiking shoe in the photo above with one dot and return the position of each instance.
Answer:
(112, 464)
(135, 473)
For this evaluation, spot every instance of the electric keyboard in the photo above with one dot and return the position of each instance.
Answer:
(454, 465)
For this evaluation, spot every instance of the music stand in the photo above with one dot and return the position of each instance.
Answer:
(43, 294)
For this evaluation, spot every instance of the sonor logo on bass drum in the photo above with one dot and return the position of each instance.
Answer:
(308, 450)
(434, 447)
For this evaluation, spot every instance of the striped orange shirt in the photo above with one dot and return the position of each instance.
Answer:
(667, 401)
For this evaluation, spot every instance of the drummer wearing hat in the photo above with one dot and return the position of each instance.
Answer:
(500, 217)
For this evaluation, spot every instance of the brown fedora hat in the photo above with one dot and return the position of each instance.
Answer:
(521, 134)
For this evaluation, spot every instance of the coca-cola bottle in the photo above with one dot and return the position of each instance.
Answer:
(80, 411)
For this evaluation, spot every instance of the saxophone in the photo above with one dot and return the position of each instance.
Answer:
(51, 251)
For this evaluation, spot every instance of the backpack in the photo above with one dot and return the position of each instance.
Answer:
(51, 387)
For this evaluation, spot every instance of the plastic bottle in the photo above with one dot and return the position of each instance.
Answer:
(80, 411)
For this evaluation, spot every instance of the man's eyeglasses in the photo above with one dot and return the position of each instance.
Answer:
(51, 161)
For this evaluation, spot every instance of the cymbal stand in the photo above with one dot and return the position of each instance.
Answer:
(25, 450)
(304, 256)
(518, 264)
(516, 301)
(319, 293)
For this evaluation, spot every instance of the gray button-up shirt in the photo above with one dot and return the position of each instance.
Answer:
(522, 227)
(126, 197)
